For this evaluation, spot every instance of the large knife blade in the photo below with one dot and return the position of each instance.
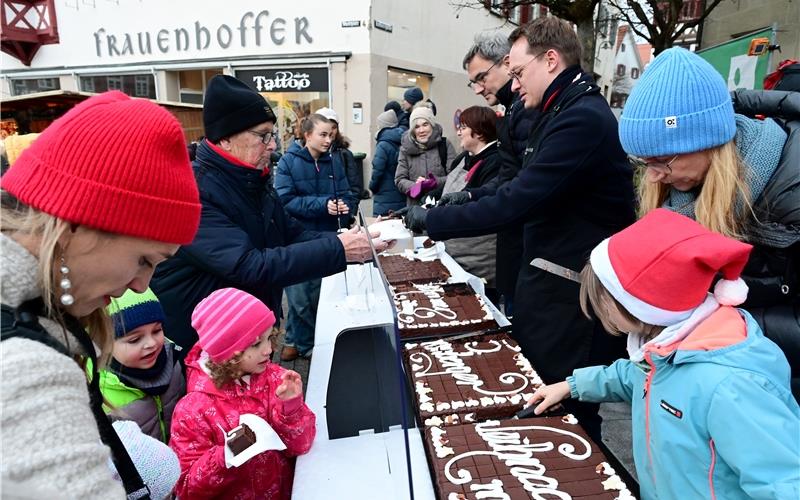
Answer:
(553, 268)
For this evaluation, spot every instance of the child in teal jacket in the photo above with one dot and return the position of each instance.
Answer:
(713, 415)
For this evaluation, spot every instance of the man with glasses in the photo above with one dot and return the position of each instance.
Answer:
(574, 190)
(486, 64)
(246, 240)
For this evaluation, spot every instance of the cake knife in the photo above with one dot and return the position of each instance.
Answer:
(553, 268)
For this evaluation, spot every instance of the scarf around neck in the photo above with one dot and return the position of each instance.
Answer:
(153, 381)
(759, 144)
(637, 345)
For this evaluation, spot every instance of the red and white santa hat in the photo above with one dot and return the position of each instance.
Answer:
(661, 267)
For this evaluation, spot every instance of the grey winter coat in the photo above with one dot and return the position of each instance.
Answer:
(476, 255)
(49, 435)
(418, 160)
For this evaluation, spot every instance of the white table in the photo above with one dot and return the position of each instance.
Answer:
(371, 465)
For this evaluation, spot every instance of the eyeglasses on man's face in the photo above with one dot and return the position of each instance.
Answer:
(265, 137)
(661, 166)
(480, 78)
(516, 74)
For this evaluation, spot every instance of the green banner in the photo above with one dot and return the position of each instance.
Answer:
(736, 67)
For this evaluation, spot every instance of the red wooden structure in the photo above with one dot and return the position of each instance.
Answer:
(27, 25)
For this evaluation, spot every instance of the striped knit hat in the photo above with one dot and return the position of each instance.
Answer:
(229, 321)
(115, 164)
(133, 310)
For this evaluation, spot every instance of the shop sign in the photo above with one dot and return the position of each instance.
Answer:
(258, 29)
(286, 80)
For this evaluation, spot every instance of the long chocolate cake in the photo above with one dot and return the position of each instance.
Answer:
(440, 309)
(469, 380)
(402, 269)
(549, 457)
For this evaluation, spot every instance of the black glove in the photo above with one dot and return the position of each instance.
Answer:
(398, 214)
(414, 218)
(456, 198)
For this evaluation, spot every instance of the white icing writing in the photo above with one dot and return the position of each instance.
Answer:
(455, 367)
(614, 483)
(492, 490)
(518, 454)
(410, 309)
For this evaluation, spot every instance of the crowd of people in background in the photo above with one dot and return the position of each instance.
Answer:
(145, 269)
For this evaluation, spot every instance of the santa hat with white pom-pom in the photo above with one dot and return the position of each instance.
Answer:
(661, 268)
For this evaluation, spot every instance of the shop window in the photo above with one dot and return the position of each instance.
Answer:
(634, 73)
(400, 80)
(141, 85)
(193, 83)
(114, 82)
(133, 85)
(293, 93)
(32, 85)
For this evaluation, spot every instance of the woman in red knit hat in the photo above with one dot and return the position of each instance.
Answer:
(89, 209)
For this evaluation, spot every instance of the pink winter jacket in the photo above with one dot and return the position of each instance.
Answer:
(200, 445)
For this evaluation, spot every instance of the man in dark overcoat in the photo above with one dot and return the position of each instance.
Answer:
(574, 190)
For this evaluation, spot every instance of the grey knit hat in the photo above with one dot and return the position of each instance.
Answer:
(387, 119)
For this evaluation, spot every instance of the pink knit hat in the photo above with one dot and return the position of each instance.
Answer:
(229, 321)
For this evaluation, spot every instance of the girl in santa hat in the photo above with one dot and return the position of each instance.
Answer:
(713, 415)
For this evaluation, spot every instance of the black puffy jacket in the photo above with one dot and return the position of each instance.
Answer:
(246, 240)
(773, 271)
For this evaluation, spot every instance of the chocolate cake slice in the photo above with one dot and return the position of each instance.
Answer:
(402, 269)
(240, 439)
(550, 457)
(425, 310)
(469, 380)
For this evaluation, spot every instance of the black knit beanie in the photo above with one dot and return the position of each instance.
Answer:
(230, 107)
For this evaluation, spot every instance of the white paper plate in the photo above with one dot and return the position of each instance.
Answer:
(266, 439)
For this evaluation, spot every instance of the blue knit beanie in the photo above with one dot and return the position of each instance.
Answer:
(133, 310)
(680, 105)
(413, 95)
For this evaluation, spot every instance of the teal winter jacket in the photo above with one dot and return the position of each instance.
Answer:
(713, 416)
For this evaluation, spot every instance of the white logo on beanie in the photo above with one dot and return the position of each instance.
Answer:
(671, 122)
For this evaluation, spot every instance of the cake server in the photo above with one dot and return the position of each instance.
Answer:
(553, 268)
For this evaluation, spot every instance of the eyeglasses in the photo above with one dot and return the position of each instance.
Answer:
(480, 78)
(266, 137)
(661, 166)
(517, 73)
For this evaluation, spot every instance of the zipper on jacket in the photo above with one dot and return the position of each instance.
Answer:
(711, 469)
(648, 380)
(161, 423)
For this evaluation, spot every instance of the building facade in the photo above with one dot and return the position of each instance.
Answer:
(352, 56)
(731, 20)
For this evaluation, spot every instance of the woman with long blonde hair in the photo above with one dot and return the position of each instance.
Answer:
(88, 210)
(735, 175)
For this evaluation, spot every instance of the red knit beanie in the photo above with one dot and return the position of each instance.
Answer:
(115, 164)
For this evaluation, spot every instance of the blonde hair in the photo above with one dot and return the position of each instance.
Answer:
(226, 371)
(724, 196)
(16, 217)
(595, 297)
